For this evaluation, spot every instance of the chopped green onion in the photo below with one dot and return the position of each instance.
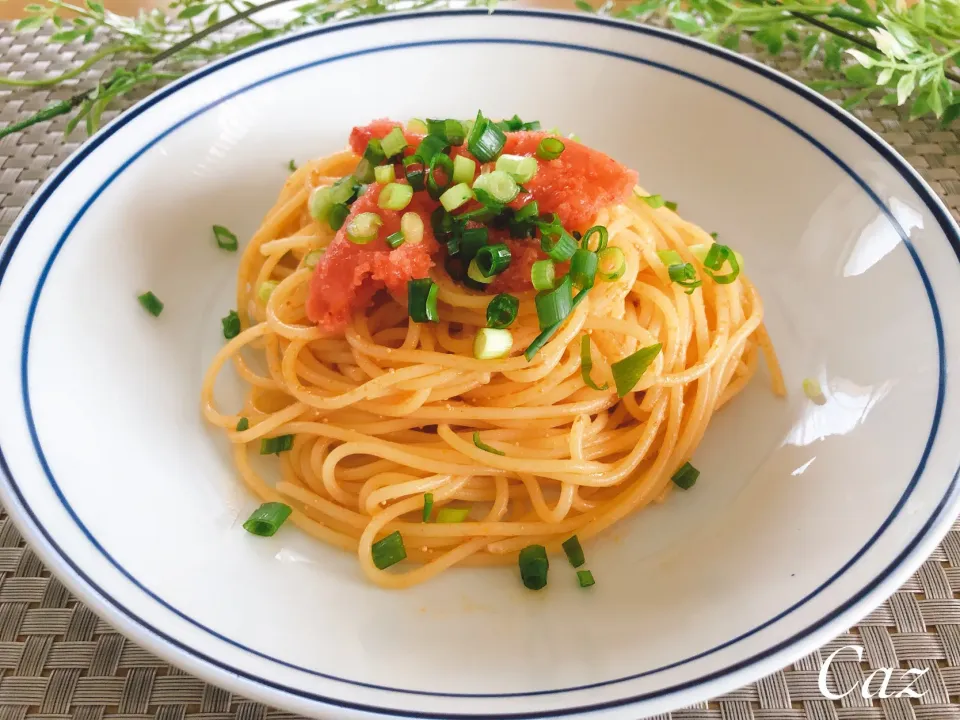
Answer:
(476, 274)
(611, 264)
(492, 344)
(550, 148)
(627, 372)
(700, 253)
(486, 140)
(372, 157)
(716, 256)
(243, 424)
(363, 228)
(267, 519)
(338, 215)
(464, 169)
(714, 235)
(345, 190)
(452, 515)
(686, 476)
(528, 213)
(311, 259)
(684, 275)
(502, 311)
(231, 325)
(583, 268)
(417, 126)
(384, 174)
(414, 169)
(544, 337)
(586, 364)
(574, 551)
(450, 130)
(557, 243)
(292, 166)
(493, 259)
(521, 168)
(226, 240)
(482, 445)
(422, 300)
(669, 257)
(501, 186)
(812, 389)
(456, 196)
(443, 223)
(427, 506)
(394, 143)
(276, 445)
(321, 200)
(152, 304)
(534, 566)
(670, 205)
(394, 196)
(266, 290)
(543, 275)
(395, 240)
(411, 225)
(430, 147)
(388, 551)
(471, 241)
(603, 237)
(654, 201)
(553, 306)
(440, 177)
(585, 578)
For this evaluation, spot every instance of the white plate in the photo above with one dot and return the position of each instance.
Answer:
(805, 516)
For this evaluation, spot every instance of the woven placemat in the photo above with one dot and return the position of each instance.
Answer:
(58, 659)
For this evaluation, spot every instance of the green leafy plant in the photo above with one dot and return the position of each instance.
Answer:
(905, 53)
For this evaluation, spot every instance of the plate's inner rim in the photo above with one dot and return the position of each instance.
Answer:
(23, 225)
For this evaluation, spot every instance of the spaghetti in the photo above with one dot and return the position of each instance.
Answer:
(387, 414)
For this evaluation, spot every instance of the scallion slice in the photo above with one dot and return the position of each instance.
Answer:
(292, 165)
(493, 259)
(521, 168)
(483, 446)
(669, 257)
(226, 240)
(411, 225)
(611, 264)
(321, 200)
(553, 306)
(393, 143)
(153, 305)
(486, 140)
(417, 126)
(574, 551)
(450, 130)
(231, 325)
(500, 186)
(372, 157)
(716, 256)
(534, 566)
(338, 215)
(394, 196)
(344, 190)
(395, 240)
(654, 201)
(464, 169)
(528, 213)
(585, 578)
(543, 275)
(388, 551)
(311, 259)
(684, 275)
(427, 506)
(544, 337)
(384, 174)
(586, 365)
(476, 274)
(471, 240)
(603, 237)
(627, 372)
(456, 196)
(414, 169)
(267, 519)
(557, 243)
(492, 344)
(422, 300)
(550, 148)
(440, 177)
(276, 445)
(363, 228)
(429, 147)
(583, 268)
(243, 424)
(670, 205)
(502, 311)
(452, 515)
(266, 290)
(686, 476)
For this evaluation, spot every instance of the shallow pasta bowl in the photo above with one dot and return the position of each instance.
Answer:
(805, 517)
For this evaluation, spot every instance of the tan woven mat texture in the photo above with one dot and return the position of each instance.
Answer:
(58, 659)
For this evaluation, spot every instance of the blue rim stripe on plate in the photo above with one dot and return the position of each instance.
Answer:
(916, 184)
